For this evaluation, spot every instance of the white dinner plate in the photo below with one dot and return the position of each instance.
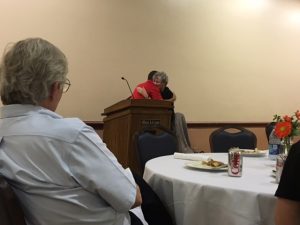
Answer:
(253, 153)
(201, 166)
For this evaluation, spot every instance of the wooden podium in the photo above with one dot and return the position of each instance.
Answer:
(123, 119)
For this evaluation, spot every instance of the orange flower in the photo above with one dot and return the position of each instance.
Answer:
(297, 114)
(283, 129)
(287, 118)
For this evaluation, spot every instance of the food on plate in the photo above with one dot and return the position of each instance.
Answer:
(213, 163)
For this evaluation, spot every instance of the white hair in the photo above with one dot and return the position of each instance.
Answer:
(29, 69)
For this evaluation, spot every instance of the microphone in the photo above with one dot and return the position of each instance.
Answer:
(123, 78)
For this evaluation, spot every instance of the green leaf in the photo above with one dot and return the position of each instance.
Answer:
(296, 132)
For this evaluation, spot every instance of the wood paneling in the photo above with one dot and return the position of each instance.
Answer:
(199, 133)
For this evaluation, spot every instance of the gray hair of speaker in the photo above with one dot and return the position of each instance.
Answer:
(163, 76)
(28, 70)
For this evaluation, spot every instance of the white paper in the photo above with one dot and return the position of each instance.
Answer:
(192, 156)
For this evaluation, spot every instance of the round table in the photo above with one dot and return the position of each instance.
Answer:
(196, 197)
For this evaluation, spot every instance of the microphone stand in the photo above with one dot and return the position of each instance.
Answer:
(123, 78)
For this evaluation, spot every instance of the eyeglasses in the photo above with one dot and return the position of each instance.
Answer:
(66, 86)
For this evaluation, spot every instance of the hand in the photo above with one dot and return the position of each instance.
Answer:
(142, 91)
(138, 197)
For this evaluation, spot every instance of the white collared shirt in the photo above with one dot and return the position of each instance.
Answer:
(61, 170)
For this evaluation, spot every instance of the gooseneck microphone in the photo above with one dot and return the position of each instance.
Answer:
(123, 78)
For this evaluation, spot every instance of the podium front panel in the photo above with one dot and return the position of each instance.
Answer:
(120, 127)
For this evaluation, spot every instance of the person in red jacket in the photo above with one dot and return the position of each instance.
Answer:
(152, 88)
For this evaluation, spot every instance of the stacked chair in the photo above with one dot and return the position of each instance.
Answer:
(269, 128)
(152, 143)
(221, 140)
(181, 131)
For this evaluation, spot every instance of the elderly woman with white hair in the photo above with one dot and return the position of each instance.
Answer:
(149, 89)
(165, 92)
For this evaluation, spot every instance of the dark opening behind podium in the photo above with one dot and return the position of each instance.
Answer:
(123, 119)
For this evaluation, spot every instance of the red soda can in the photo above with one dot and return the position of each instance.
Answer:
(235, 162)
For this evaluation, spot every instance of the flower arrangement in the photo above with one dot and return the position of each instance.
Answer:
(287, 127)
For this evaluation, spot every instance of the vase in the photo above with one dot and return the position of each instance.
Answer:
(286, 145)
(280, 161)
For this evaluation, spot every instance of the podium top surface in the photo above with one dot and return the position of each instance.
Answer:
(140, 103)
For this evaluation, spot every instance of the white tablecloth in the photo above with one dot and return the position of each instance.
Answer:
(196, 197)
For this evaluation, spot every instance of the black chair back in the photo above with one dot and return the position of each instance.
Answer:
(269, 128)
(221, 140)
(151, 144)
(11, 212)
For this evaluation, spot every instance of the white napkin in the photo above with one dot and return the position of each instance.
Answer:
(192, 156)
(139, 213)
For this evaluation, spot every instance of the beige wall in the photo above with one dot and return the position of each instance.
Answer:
(233, 60)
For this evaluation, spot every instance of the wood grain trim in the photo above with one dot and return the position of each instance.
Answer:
(98, 125)
(222, 124)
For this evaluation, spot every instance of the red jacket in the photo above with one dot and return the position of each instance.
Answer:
(152, 90)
